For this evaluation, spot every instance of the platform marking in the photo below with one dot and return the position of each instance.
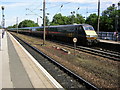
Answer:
(36, 62)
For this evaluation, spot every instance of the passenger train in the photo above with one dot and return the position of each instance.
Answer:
(84, 33)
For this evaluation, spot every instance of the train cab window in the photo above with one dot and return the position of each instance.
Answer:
(88, 28)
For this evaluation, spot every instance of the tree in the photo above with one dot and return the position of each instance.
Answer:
(79, 19)
(65, 20)
(47, 21)
(10, 27)
(0, 26)
(92, 20)
(15, 26)
(71, 19)
(57, 20)
(109, 19)
(27, 23)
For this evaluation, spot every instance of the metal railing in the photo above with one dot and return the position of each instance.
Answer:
(109, 36)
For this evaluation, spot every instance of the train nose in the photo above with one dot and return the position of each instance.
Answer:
(92, 42)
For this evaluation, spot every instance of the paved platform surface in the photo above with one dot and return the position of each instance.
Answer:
(18, 69)
(110, 41)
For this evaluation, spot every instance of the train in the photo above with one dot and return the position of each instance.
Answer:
(84, 33)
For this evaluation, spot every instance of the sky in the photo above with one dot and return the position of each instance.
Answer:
(31, 9)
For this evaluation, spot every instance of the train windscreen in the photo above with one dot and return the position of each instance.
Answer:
(88, 28)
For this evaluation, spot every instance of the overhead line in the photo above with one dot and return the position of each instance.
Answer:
(16, 2)
(57, 5)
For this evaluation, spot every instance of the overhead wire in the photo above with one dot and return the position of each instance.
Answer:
(60, 6)
(57, 5)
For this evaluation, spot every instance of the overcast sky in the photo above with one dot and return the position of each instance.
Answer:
(30, 9)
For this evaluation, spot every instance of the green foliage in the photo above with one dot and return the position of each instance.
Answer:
(27, 23)
(47, 21)
(14, 26)
(58, 19)
(109, 19)
(79, 19)
(92, 20)
(0, 27)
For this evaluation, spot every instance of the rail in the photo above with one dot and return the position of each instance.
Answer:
(69, 72)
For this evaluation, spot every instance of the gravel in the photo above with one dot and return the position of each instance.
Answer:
(101, 72)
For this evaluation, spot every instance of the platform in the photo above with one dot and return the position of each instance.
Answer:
(110, 41)
(18, 69)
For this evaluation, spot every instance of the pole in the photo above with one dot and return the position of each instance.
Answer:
(118, 15)
(44, 20)
(3, 20)
(98, 25)
(17, 24)
(114, 16)
(37, 20)
(74, 48)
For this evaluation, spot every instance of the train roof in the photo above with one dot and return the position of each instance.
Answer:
(53, 26)
(68, 25)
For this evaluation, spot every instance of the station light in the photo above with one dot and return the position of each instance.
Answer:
(3, 20)
(119, 5)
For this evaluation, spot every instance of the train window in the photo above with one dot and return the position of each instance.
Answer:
(39, 29)
(88, 28)
(66, 29)
(80, 30)
(62, 29)
(54, 29)
(70, 29)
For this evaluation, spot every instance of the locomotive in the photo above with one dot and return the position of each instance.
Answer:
(84, 33)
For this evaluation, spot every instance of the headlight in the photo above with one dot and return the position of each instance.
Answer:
(91, 36)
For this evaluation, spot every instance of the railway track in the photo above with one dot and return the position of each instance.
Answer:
(64, 76)
(99, 51)
(112, 55)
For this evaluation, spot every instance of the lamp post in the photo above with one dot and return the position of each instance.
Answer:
(115, 25)
(98, 25)
(73, 16)
(3, 20)
(77, 9)
(17, 24)
(119, 5)
(118, 15)
(44, 21)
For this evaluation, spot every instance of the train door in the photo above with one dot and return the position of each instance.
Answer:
(76, 31)
(81, 34)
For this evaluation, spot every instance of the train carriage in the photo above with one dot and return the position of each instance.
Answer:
(83, 32)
